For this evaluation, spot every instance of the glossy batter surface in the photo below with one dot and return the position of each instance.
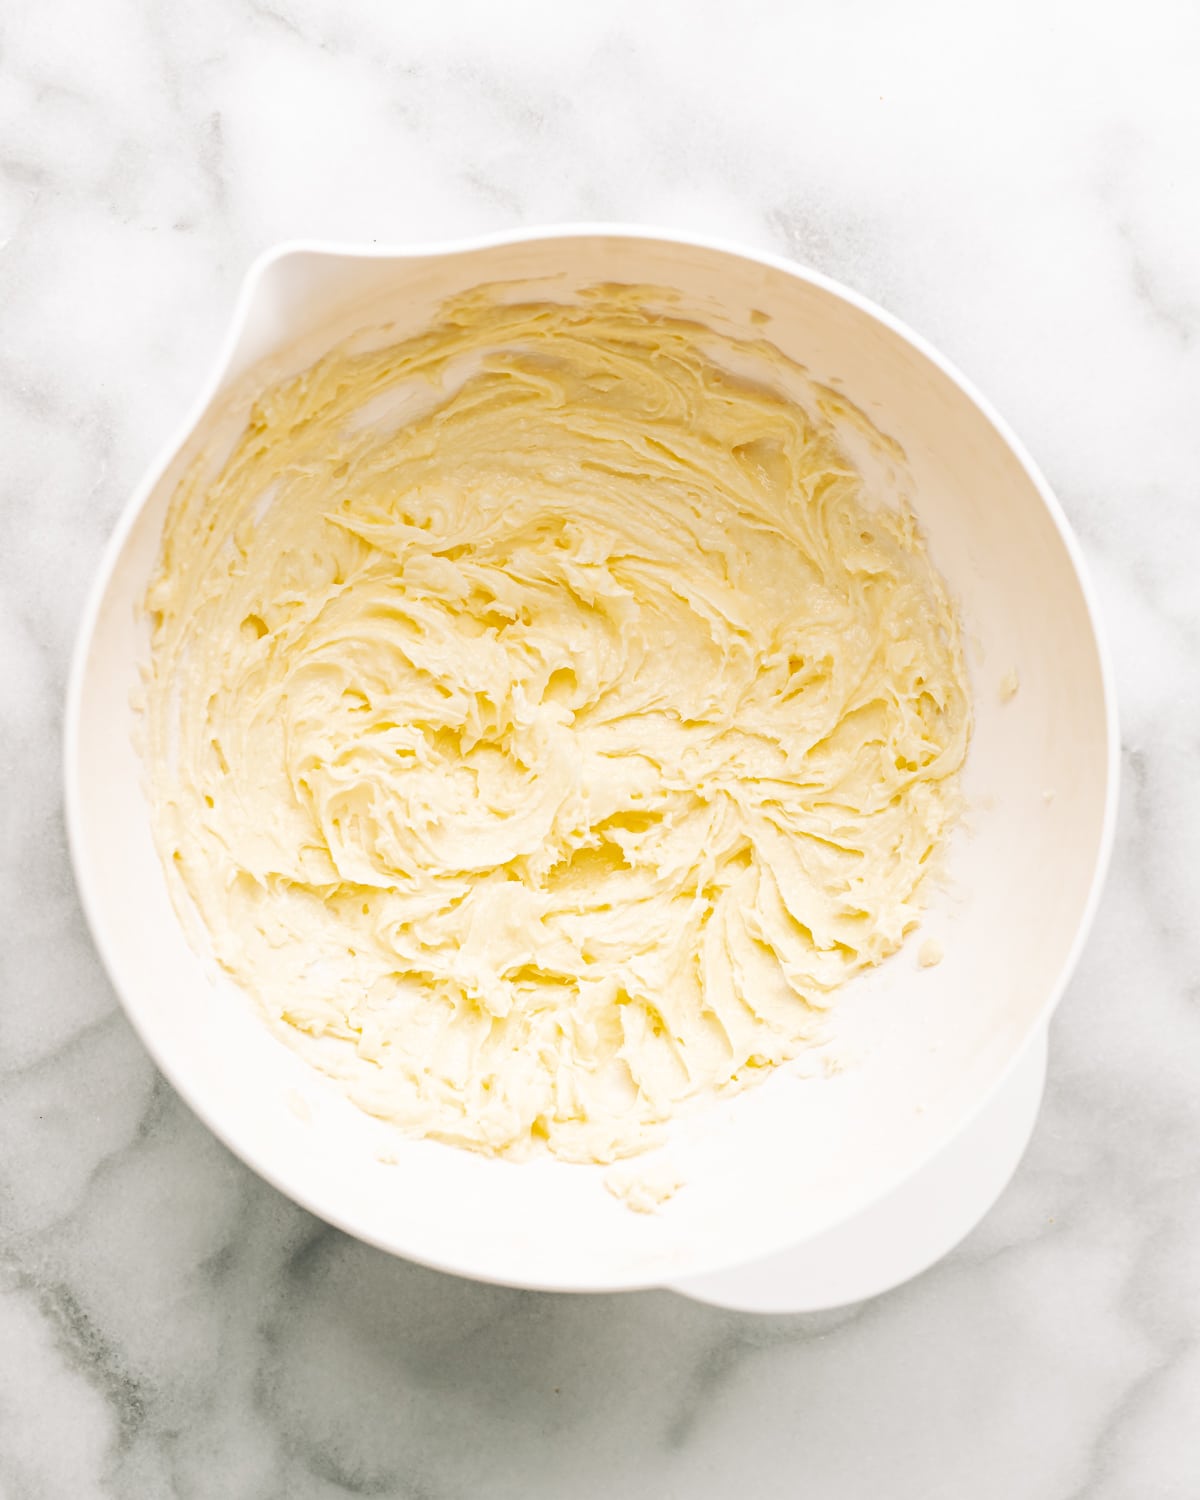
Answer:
(543, 722)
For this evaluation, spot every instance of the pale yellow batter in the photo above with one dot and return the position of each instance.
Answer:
(544, 723)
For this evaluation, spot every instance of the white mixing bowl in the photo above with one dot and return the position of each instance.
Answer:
(924, 1049)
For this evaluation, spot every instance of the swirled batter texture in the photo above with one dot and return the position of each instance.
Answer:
(544, 723)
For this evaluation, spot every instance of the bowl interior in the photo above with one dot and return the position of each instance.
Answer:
(919, 1049)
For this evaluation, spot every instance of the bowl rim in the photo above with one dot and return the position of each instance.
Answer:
(291, 1185)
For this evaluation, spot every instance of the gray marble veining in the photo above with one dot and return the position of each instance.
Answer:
(1021, 184)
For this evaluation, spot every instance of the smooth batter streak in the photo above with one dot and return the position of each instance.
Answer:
(544, 723)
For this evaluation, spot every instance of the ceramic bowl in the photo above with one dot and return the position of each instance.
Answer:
(923, 1050)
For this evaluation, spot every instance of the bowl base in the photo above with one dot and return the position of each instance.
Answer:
(904, 1234)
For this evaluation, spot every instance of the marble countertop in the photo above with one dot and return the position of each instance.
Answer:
(1022, 189)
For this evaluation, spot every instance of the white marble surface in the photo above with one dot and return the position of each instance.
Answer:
(1021, 183)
